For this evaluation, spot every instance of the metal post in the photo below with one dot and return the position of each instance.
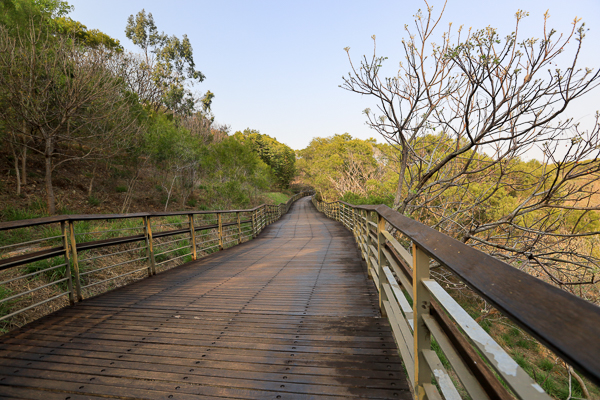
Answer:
(421, 306)
(192, 235)
(75, 262)
(239, 223)
(220, 231)
(63, 228)
(149, 247)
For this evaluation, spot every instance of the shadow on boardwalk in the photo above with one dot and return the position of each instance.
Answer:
(289, 315)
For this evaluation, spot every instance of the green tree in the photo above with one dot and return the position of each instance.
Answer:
(341, 164)
(87, 37)
(234, 172)
(462, 111)
(280, 157)
(61, 99)
(167, 66)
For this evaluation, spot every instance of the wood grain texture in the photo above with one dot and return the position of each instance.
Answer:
(289, 315)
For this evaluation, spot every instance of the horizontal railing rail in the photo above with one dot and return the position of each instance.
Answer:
(566, 324)
(77, 252)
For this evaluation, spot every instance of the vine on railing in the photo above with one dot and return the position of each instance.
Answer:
(59, 260)
(566, 324)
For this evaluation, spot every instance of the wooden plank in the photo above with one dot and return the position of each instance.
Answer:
(290, 315)
(514, 376)
(529, 302)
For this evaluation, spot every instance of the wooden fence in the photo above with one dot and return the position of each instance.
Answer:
(72, 251)
(566, 324)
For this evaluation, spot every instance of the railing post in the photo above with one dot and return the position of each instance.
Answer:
(381, 261)
(149, 247)
(75, 261)
(354, 224)
(65, 240)
(368, 244)
(220, 222)
(239, 224)
(421, 306)
(192, 235)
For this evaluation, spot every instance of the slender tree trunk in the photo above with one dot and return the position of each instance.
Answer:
(401, 176)
(48, 180)
(24, 156)
(92, 180)
(24, 165)
(169, 192)
(12, 147)
(129, 194)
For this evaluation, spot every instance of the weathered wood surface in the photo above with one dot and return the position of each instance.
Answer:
(289, 315)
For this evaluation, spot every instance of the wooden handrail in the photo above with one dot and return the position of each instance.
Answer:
(25, 223)
(566, 324)
(260, 217)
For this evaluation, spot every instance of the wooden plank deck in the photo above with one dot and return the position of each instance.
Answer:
(289, 315)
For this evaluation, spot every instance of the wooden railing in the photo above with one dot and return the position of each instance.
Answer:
(71, 251)
(566, 324)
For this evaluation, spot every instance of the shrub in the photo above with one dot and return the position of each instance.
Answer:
(93, 201)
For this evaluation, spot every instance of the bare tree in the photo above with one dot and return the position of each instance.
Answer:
(463, 112)
(62, 99)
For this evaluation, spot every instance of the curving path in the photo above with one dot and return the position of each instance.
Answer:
(288, 315)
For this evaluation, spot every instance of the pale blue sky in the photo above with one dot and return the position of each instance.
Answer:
(275, 66)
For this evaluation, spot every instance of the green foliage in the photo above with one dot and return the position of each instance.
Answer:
(341, 164)
(438, 350)
(121, 189)
(280, 157)
(277, 197)
(11, 213)
(35, 209)
(174, 68)
(353, 198)
(546, 365)
(527, 344)
(6, 306)
(94, 201)
(192, 202)
(169, 144)
(52, 275)
(88, 37)
(235, 171)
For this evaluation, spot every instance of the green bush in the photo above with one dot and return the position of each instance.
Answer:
(121, 189)
(52, 275)
(94, 201)
(277, 197)
(5, 306)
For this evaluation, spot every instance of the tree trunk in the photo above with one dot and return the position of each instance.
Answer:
(12, 147)
(92, 181)
(169, 192)
(401, 174)
(129, 194)
(24, 164)
(48, 180)
(24, 156)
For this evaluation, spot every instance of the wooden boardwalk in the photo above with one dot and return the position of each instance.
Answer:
(289, 315)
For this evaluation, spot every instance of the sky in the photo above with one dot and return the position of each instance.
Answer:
(276, 66)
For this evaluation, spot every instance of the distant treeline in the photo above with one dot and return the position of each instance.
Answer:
(72, 94)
